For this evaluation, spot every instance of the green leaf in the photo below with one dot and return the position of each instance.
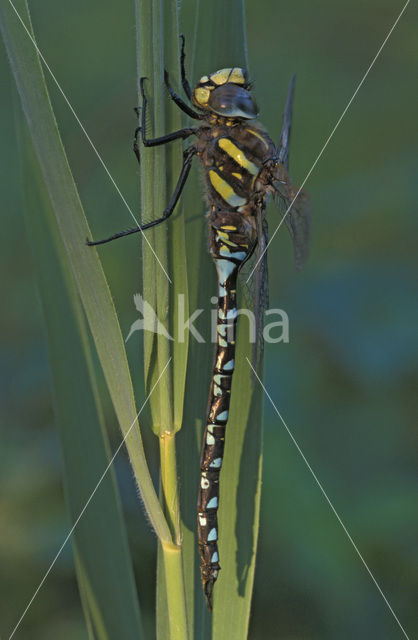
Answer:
(158, 48)
(103, 563)
(84, 263)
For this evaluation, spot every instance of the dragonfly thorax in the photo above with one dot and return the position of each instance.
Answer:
(226, 93)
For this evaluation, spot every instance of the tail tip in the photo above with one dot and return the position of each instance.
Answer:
(208, 589)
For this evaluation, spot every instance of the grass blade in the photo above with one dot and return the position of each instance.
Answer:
(84, 262)
(103, 563)
(160, 168)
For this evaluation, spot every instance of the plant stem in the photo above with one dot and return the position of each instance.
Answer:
(158, 166)
(172, 553)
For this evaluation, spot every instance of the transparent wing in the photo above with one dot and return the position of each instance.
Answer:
(296, 214)
(254, 288)
(294, 207)
(284, 142)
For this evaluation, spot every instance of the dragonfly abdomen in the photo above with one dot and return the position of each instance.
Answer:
(229, 251)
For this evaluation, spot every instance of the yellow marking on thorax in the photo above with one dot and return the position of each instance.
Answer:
(224, 250)
(258, 135)
(225, 238)
(228, 227)
(238, 175)
(238, 155)
(225, 190)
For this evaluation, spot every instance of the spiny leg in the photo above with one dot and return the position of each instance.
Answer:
(153, 142)
(187, 163)
(135, 146)
(184, 81)
(179, 102)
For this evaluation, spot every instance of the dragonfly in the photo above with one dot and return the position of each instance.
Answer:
(242, 167)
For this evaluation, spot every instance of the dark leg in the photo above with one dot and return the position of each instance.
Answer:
(136, 148)
(187, 163)
(153, 142)
(184, 81)
(179, 102)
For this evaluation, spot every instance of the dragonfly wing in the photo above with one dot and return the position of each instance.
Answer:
(283, 146)
(300, 228)
(295, 209)
(254, 287)
(297, 216)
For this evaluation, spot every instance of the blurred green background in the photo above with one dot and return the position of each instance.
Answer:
(346, 384)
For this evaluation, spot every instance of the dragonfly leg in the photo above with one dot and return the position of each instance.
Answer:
(153, 142)
(184, 80)
(179, 102)
(187, 163)
(136, 148)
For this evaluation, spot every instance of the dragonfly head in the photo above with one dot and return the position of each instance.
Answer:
(226, 93)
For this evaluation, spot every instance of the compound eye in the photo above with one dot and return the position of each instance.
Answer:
(232, 101)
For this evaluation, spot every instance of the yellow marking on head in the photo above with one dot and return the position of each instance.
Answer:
(238, 175)
(237, 76)
(204, 79)
(258, 135)
(238, 155)
(225, 190)
(201, 96)
(234, 74)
